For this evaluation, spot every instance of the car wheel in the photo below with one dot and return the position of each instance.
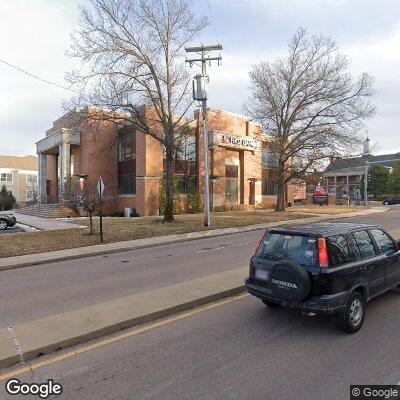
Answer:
(386, 203)
(3, 225)
(352, 317)
(270, 303)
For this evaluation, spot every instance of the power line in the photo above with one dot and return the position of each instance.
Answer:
(212, 21)
(37, 77)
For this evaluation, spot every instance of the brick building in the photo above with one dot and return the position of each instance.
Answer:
(20, 176)
(132, 164)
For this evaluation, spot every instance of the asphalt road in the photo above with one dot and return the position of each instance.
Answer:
(37, 291)
(239, 350)
(10, 230)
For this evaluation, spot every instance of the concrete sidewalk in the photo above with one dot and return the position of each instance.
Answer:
(44, 224)
(27, 340)
(80, 252)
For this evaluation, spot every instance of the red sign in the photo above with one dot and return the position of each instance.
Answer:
(319, 191)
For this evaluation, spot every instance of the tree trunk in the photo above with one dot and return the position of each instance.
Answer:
(91, 222)
(169, 186)
(280, 203)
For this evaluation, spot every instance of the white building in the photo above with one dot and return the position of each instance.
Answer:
(20, 176)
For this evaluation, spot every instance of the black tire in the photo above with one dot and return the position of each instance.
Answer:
(3, 224)
(270, 303)
(351, 319)
(385, 203)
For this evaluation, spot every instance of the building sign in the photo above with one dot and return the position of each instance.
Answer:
(239, 141)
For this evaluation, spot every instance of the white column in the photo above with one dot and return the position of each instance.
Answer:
(42, 177)
(65, 165)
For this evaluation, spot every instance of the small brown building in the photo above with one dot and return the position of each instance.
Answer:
(132, 165)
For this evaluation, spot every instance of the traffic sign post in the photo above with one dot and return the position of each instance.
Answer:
(100, 188)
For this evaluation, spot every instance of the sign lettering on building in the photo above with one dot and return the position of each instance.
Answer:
(251, 144)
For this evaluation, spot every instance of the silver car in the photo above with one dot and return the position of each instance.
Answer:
(7, 219)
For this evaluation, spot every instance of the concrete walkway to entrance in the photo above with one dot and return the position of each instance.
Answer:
(44, 224)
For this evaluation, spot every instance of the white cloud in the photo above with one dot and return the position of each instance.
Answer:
(35, 35)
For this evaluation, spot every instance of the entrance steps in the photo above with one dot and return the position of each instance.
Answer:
(48, 211)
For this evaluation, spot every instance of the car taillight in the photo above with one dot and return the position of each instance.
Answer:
(323, 253)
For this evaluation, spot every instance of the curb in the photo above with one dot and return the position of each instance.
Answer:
(31, 339)
(88, 251)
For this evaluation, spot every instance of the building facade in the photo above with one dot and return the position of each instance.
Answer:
(20, 176)
(343, 176)
(132, 164)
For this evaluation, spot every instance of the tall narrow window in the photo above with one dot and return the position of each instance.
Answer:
(127, 160)
(185, 178)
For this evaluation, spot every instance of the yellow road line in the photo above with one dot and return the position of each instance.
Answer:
(105, 342)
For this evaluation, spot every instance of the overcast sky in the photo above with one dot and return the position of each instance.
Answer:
(34, 35)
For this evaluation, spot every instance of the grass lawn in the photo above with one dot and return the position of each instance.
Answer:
(121, 229)
(330, 210)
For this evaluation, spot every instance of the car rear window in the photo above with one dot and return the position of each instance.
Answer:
(287, 247)
(339, 250)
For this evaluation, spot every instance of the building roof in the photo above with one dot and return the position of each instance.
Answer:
(358, 163)
(28, 163)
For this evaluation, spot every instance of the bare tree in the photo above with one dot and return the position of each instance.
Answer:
(310, 105)
(134, 69)
(84, 197)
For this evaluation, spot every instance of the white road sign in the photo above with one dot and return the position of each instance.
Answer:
(100, 186)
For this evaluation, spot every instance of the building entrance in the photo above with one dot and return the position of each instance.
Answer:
(231, 184)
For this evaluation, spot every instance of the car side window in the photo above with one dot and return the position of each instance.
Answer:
(384, 242)
(339, 250)
(364, 244)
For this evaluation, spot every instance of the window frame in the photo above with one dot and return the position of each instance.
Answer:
(6, 181)
(376, 244)
(376, 250)
(28, 183)
(126, 161)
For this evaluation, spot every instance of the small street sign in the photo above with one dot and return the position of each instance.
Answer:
(100, 186)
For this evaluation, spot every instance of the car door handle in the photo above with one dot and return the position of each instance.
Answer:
(363, 268)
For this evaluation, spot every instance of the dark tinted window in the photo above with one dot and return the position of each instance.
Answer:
(339, 250)
(364, 244)
(384, 242)
(282, 247)
(231, 171)
(126, 160)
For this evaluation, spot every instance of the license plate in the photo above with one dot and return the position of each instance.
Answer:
(262, 275)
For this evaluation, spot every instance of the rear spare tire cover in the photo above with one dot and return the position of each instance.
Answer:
(290, 282)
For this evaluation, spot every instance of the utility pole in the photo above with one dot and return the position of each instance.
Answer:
(366, 183)
(200, 94)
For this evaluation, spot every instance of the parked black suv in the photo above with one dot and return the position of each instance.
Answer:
(326, 268)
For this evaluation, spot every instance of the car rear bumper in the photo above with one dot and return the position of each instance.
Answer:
(328, 304)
